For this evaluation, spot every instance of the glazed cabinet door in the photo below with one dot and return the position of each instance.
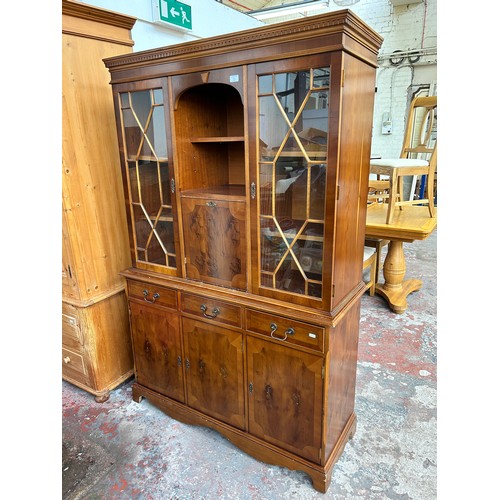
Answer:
(214, 371)
(157, 349)
(285, 397)
(149, 175)
(289, 184)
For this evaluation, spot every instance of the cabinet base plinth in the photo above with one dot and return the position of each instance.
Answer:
(100, 396)
(320, 475)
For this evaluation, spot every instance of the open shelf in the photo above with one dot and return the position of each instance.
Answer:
(147, 158)
(218, 139)
(229, 192)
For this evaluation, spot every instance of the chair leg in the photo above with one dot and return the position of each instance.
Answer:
(371, 263)
(400, 189)
(430, 194)
(373, 279)
(391, 201)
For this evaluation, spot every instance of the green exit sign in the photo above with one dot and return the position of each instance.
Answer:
(177, 13)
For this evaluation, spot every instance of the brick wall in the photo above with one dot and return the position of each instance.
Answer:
(408, 27)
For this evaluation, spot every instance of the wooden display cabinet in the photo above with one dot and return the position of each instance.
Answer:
(245, 161)
(96, 346)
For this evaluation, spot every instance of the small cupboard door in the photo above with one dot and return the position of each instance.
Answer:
(214, 371)
(285, 397)
(214, 234)
(157, 350)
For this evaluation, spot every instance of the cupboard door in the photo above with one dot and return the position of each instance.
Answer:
(285, 397)
(214, 371)
(290, 181)
(157, 350)
(149, 177)
(214, 234)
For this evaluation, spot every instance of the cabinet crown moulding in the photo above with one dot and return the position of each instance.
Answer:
(341, 22)
(97, 14)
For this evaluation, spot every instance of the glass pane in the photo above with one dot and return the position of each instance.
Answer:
(165, 230)
(141, 108)
(273, 127)
(266, 189)
(157, 134)
(125, 100)
(150, 187)
(132, 133)
(317, 190)
(154, 250)
(142, 226)
(273, 246)
(158, 96)
(134, 186)
(321, 77)
(166, 188)
(141, 104)
(265, 84)
(311, 259)
(282, 200)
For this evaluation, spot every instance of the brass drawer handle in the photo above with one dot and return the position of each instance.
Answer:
(215, 312)
(288, 331)
(211, 204)
(156, 296)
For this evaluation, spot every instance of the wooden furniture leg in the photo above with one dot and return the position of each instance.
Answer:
(393, 196)
(396, 288)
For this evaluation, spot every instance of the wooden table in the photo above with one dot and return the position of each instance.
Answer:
(410, 224)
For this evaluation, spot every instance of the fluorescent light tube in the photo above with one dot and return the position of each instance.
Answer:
(291, 8)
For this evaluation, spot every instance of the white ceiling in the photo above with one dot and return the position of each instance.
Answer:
(247, 5)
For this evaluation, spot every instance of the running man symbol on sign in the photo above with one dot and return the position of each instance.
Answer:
(184, 17)
(174, 12)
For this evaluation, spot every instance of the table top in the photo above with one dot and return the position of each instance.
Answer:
(411, 223)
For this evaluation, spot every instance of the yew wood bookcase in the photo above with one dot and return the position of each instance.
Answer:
(245, 161)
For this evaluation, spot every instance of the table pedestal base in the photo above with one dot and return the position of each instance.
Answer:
(397, 298)
(396, 288)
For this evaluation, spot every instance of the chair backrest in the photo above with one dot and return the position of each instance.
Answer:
(419, 140)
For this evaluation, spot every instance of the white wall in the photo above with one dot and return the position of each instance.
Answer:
(406, 27)
(210, 18)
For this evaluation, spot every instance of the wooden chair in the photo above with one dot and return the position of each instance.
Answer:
(418, 157)
(378, 244)
(369, 261)
(378, 191)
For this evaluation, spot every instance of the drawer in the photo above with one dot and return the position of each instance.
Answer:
(73, 366)
(285, 329)
(216, 310)
(152, 294)
(72, 335)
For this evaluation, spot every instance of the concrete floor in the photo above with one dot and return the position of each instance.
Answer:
(124, 450)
